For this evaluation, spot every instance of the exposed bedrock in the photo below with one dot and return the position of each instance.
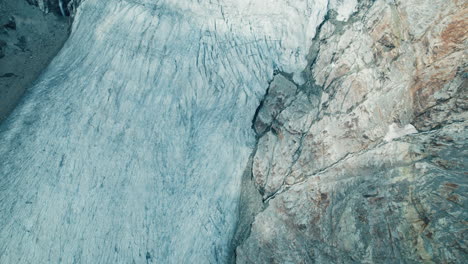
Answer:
(62, 7)
(366, 161)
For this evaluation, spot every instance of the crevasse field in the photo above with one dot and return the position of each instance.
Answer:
(131, 146)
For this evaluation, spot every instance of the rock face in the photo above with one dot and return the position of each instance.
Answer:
(62, 7)
(366, 161)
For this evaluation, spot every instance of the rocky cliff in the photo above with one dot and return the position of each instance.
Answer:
(62, 7)
(367, 161)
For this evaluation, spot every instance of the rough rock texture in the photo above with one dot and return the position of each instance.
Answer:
(62, 7)
(366, 162)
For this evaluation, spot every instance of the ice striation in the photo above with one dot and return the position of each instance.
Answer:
(131, 145)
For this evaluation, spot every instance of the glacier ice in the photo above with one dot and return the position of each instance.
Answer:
(131, 145)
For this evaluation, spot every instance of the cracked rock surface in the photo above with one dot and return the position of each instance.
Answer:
(366, 161)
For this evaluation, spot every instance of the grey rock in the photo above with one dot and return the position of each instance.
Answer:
(279, 95)
(399, 202)
(11, 24)
(63, 7)
(22, 43)
(376, 172)
(3, 44)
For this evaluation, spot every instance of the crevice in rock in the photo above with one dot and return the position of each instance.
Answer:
(66, 8)
(251, 200)
(385, 27)
(250, 204)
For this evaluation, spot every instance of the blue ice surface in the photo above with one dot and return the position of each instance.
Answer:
(131, 145)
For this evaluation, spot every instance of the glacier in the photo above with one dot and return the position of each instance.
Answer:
(131, 145)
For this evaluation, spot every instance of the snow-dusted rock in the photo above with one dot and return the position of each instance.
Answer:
(395, 131)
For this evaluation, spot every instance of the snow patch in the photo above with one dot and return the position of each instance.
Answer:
(395, 131)
(344, 8)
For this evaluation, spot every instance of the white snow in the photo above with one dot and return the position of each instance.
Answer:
(131, 146)
(395, 131)
(344, 8)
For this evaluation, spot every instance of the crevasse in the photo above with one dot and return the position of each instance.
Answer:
(131, 145)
